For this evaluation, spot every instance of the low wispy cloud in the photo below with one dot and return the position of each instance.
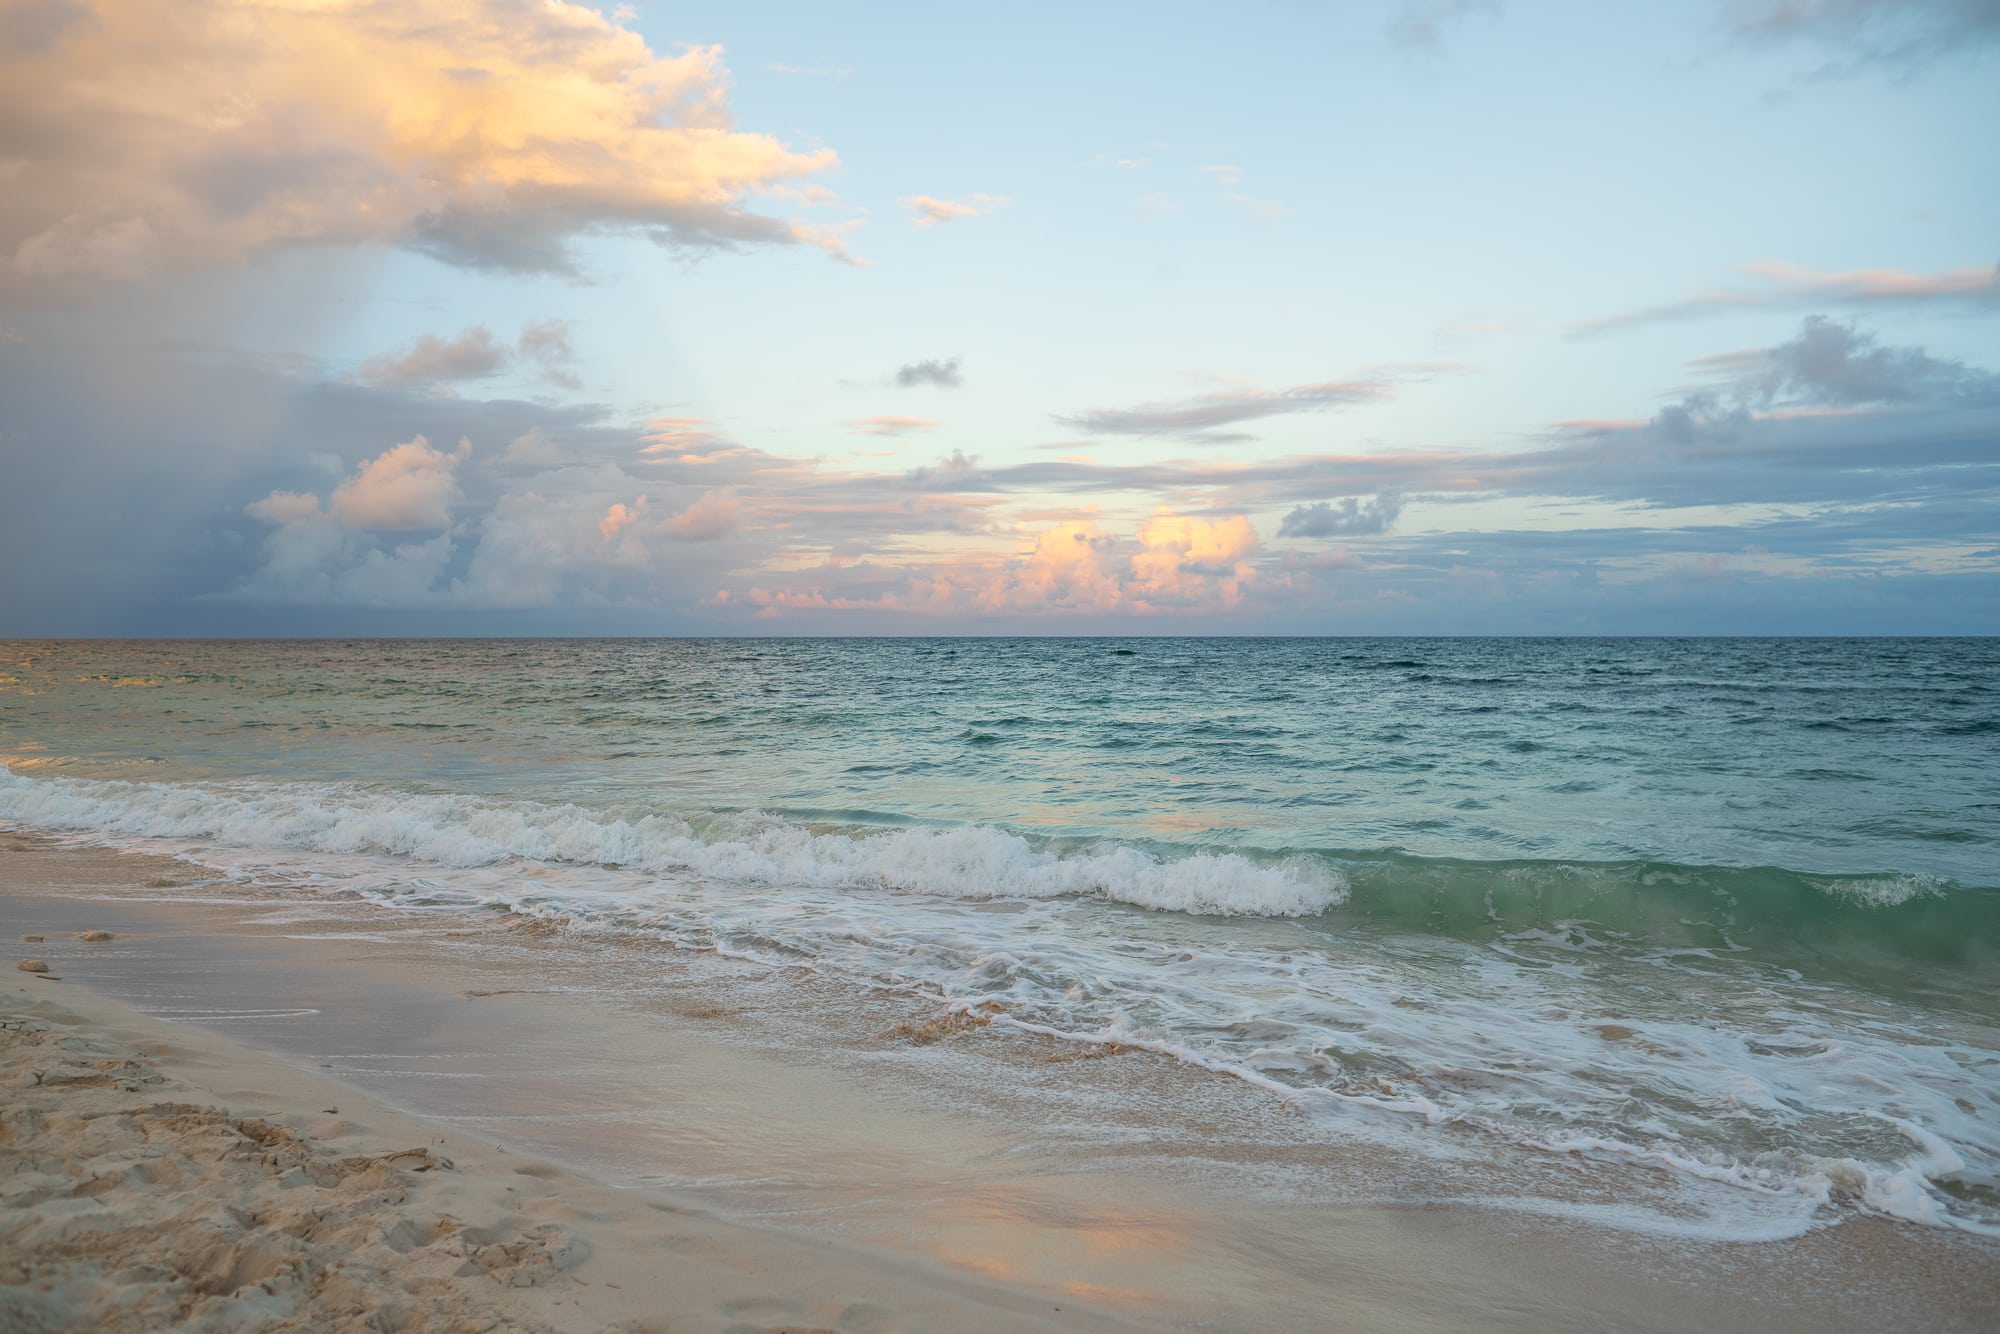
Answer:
(888, 424)
(1419, 25)
(1467, 329)
(1777, 285)
(1901, 35)
(926, 211)
(942, 372)
(1228, 181)
(1204, 418)
(546, 344)
(687, 440)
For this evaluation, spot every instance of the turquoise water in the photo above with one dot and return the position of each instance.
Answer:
(1730, 908)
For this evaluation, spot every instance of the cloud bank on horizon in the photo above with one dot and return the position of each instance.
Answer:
(486, 316)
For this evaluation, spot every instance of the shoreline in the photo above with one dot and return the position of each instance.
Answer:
(208, 1208)
(852, 1155)
(158, 1172)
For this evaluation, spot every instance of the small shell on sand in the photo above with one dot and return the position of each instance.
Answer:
(32, 940)
(32, 966)
(94, 936)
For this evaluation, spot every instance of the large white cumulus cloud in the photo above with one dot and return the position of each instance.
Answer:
(137, 137)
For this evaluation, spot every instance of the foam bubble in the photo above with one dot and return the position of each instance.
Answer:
(1883, 891)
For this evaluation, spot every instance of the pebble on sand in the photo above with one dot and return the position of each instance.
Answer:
(94, 936)
(32, 966)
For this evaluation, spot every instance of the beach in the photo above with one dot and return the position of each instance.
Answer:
(303, 1072)
(777, 667)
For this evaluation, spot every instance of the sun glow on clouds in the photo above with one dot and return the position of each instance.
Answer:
(1173, 564)
(485, 132)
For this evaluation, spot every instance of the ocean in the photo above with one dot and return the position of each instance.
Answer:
(1727, 910)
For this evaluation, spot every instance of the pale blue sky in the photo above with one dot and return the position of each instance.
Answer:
(1373, 263)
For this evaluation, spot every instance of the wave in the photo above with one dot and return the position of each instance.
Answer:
(964, 862)
(1811, 1099)
(1870, 926)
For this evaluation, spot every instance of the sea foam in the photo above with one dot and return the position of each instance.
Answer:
(965, 862)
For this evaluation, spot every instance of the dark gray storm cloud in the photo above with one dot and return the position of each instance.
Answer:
(943, 373)
(1350, 517)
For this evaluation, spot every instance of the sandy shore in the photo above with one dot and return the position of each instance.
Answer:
(629, 1148)
(153, 1176)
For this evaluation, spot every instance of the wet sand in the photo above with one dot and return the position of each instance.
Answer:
(692, 1164)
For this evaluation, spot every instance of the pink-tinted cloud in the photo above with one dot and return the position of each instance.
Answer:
(472, 355)
(620, 516)
(485, 132)
(714, 514)
(412, 486)
(891, 425)
(1778, 285)
(926, 211)
(1174, 563)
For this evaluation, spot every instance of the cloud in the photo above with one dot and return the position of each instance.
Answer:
(1899, 34)
(1185, 561)
(1841, 455)
(1174, 563)
(532, 448)
(1227, 179)
(1419, 25)
(1838, 365)
(1790, 286)
(688, 440)
(546, 344)
(1351, 517)
(957, 472)
(888, 424)
(411, 486)
(470, 356)
(715, 513)
(283, 507)
(620, 516)
(1201, 418)
(942, 373)
(928, 212)
(488, 133)
(1480, 328)
(475, 354)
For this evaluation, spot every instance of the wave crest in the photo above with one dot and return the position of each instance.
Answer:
(968, 862)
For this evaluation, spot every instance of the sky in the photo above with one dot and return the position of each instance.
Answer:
(346, 317)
